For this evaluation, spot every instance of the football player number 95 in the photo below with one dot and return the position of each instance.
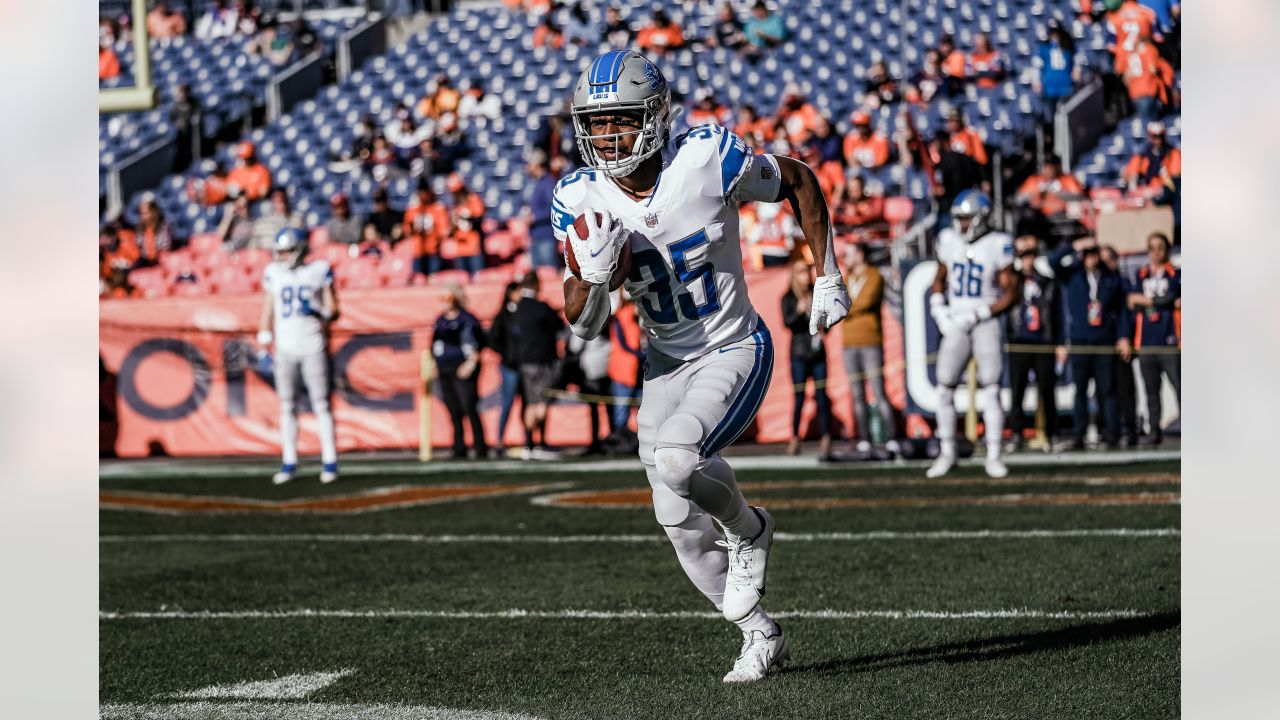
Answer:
(658, 301)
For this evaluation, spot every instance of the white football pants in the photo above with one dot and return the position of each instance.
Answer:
(985, 343)
(313, 370)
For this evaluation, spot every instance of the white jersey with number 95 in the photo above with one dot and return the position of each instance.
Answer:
(294, 291)
(973, 269)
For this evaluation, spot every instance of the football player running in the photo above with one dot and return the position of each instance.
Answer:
(710, 355)
(975, 284)
(300, 303)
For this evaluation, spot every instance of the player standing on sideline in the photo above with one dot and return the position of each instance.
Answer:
(710, 355)
(299, 305)
(975, 283)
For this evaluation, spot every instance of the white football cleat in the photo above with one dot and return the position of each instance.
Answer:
(329, 473)
(941, 465)
(759, 655)
(285, 474)
(748, 558)
(995, 467)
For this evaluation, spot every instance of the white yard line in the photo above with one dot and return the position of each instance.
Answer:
(289, 687)
(518, 614)
(880, 535)
(295, 711)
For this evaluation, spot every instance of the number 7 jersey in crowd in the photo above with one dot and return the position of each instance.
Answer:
(686, 263)
(973, 269)
(294, 291)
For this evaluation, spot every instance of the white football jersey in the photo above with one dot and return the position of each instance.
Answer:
(292, 290)
(973, 269)
(686, 263)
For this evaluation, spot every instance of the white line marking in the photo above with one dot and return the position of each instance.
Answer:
(630, 539)
(289, 687)
(295, 711)
(518, 614)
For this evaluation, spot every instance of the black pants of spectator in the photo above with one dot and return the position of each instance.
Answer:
(1126, 399)
(1152, 366)
(1020, 366)
(600, 387)
(1102, 370)
(801, 371)
(462, 398)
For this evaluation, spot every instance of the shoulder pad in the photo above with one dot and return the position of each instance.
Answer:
(572, 188)
(700, 144)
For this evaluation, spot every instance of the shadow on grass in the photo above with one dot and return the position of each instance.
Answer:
(1000, 646)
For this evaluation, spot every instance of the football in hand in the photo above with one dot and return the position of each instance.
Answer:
(624, 256)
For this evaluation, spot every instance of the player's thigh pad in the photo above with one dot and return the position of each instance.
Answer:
(988, 351)
(315, 373)
(953, 352)
(286, 378)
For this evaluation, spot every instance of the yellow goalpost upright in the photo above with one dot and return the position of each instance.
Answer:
(142, 95)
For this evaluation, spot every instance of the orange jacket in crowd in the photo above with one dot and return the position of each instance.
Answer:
(968, 142)
(1139, 166)
(982, 62)
(869, 153)
(444, 100)
(830, 177)
(466, 218)
(800, 123)
(108, 64)
(426, 226)
(545, 37)
(656, 38)
(699, 116)
(1046, 195)
(1147, 74)
(125, 254)
(762, 127)
(1129, 23)
(624, 335)
(863, 211)
(953, 65)
(253, 180)
(160, 26)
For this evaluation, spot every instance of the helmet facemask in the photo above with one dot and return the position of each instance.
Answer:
(649, 139)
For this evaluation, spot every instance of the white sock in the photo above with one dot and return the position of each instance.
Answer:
(328, 441)
(758, 620)
(993, 419)
(946, 416)
(702, 559)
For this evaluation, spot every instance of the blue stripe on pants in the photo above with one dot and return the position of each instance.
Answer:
(744, 407)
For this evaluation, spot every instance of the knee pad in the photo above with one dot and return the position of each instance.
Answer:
(946, 396)
(675, 456)
(990, 396)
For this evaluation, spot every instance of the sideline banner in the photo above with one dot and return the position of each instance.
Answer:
(187, 381)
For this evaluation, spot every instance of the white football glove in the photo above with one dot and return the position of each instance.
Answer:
(941, 314)
(597, 254)
(830, 302)
(964, 320)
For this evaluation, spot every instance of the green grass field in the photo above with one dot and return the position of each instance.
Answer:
(1053, 593)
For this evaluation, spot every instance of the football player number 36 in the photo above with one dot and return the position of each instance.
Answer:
(659, 302)
(966, 280)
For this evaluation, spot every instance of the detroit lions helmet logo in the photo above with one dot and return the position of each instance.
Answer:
(654, 76)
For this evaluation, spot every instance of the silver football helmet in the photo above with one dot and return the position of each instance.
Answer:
(975, 206)
(290, 245)
(622, 81)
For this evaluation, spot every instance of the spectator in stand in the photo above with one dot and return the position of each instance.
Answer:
(727, 31)
(770, 231)
(956, 172)
(154, 236)
(1059, 70)
(271, 45)
(963, 138)
(986, 65)
(236, 228)
(381, 155)
(304, 37)
(830, 173)
(476, 104)
(108, 63)
(880, 88)
(1093, 301)
(828, 144)
(864, 148)
(344, 227)
(953, 66)
(860, 213)
(219, 22)
(117, 254)
(707, 109)
(209, 190)
(426, 221)
(756, 131)
(466, 219)
(808, 357)
(864, 347)
(250, 177)
(385, 221)
(107, 33)
(617, 33)
(1043, 198)
(548, 34)
(930, 80)
(504, 341)
(1149, 78)
(441, 97)
(556, 137)
(660, 35)
(278, 215)
(544, 251)
(1156, 302)
(164, 23)
(797, 115)
(626, 361)
(449, 146)
(1156, 171)
(456, 343)
(592, 360)
(187, 120)
(1128, 22)
(1033, 325)
(405, 136)
(580, 30)
(537, 327)
(764, 29)
(1126, 383)
(362, 137)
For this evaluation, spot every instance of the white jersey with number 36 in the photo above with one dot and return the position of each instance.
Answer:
(973, 269)
(686, 263)
(293, 291)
